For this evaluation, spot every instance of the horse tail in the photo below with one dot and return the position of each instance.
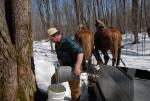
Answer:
(119, 49)
(116, 46)
(87, 44)
(118, 56)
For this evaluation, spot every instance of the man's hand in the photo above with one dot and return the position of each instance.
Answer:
(77, 69)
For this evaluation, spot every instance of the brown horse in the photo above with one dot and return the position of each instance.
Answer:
(86, 40)
(107, 39)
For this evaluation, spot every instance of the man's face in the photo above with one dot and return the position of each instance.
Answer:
(53, 38)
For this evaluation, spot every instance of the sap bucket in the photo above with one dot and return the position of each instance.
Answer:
(56, 92)
(65, 73)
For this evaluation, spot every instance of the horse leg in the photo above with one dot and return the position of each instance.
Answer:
(114, 52)
(85, 65)
(106, 57)
(113, 62)
(97, 56)
(90, 62)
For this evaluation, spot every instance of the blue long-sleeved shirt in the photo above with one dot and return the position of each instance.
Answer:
(67, 51)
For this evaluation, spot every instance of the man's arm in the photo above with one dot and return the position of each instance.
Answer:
(78, 64)
(78, 52)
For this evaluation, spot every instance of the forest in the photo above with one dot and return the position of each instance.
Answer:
(22, 21)
(127, 15)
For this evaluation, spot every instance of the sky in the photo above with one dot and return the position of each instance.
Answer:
(135, 56)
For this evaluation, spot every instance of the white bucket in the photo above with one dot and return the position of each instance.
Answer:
(56, 92)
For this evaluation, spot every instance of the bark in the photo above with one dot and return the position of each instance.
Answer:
(17, 79)
(8, 66)
(22, 21)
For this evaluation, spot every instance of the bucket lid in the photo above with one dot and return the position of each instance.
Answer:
(57, 88)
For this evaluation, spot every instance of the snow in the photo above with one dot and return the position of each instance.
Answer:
(44, 65)
(134, 56)
(137, 55)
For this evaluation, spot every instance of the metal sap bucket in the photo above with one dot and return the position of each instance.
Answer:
(65, 73)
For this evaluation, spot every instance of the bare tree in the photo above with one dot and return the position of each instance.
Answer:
(98, 8)
(66, 14)
(77, 10)
(17, 81)
(44, 9)
(135, 15)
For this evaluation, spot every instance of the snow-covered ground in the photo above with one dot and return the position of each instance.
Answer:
(137, 55)
(134, 56)
(44, 65)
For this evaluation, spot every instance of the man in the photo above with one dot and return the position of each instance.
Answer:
(69, 53)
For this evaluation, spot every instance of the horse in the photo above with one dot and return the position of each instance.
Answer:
(85, 38)
(107, 38)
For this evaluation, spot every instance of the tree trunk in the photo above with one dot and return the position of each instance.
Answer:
(8, 65)
(135, 15)
(77, 10)
(17, 79)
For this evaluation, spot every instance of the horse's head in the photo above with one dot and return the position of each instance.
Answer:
(82, 27)
(99, 24)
